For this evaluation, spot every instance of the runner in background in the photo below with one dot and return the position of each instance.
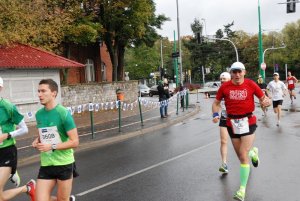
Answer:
(263, 87)
(12, 124)
(291, 84)
(224, 77)
(278, 91)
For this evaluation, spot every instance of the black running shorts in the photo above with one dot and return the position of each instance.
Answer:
(61, 172)
(276, 103)
(222, 122)
(9, 158)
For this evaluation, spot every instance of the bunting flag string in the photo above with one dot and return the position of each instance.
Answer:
(96, 107)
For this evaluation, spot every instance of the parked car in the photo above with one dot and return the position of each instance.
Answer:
(143, 90)
(154, 91)
(210, 88)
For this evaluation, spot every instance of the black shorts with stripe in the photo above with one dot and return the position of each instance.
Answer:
(60, 172)
(9, 158)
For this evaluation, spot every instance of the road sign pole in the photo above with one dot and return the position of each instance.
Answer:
(176, 68)
(260, 44)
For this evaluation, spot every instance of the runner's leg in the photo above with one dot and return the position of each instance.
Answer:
(223, 148)
(11, 193)
(242, 146)
(278, 112)
(64, 188)
(44, 188)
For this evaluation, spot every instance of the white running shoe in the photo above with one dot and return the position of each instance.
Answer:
(72, 198)
(15, 179)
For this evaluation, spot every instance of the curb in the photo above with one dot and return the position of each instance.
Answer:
(115, 139)
(291, 110)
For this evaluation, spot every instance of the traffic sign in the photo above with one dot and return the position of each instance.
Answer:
(263, 66)
(175, 54)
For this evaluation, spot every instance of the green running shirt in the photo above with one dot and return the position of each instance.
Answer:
(53, 126)
(9, 118)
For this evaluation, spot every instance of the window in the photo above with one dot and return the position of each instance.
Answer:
(103, 71)
(89, 71)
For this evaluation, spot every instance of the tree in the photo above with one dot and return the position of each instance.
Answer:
(291, 37)
(39, 23)
(127, 22)
(142, 60)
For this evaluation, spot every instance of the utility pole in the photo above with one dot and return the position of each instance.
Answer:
(260, 44)
(161, 58)
(179, 43)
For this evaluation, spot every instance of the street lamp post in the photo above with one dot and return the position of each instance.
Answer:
(225, 39)
(162, 60)
(179, 43)
(271, 48)
(161, 54)
(260, 45)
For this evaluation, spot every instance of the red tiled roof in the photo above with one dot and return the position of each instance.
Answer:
(24, 56)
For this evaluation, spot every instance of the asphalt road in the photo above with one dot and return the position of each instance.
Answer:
(180, 163)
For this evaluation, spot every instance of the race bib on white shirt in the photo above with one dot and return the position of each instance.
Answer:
(49, 135)
(240, 126)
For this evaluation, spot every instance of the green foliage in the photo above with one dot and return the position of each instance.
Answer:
(83, 34)
(127, 22)
(46, 23)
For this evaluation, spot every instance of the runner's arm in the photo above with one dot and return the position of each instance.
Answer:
(265, 101)
(35, 142)
(295, 79)
(73, 141)
(22, 129)
(216, 107)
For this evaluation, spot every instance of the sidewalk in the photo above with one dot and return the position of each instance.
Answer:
(106, 128)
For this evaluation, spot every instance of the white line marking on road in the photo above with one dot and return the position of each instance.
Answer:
(145, 169)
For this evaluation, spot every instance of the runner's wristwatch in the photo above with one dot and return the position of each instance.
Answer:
(53, 147)
(8, 136)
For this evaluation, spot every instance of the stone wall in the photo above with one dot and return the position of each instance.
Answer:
(98, 92)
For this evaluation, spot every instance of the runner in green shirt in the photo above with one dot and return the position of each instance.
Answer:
(12, 124)
(57, 136)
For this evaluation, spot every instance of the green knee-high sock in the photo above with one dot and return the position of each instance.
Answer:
(244, 174)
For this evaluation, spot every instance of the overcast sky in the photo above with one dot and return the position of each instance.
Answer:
(218, 13)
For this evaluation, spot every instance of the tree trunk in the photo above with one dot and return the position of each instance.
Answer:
(115, 63)
(112, 53)
(121, 51)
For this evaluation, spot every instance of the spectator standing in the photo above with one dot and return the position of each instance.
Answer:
(167, 94)
(181, 91)
(162, 99)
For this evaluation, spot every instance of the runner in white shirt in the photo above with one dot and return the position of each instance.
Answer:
(278, 90)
